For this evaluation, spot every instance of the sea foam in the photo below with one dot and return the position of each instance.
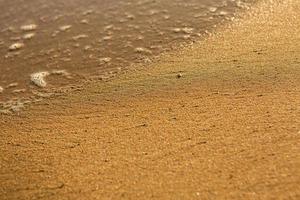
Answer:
(39, 78)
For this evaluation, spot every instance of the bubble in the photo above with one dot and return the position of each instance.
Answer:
(187, 30)
(29, 27)
(105, 60)
(60, 72)
(16, 46)
(87, 12)
(39, 78)
(84, 21)
(15, 38)
(42, 94)
(108, 27)
(1, 89)
(130, 16)
(11, 106)
(66, 59)
(212, 9)
(186, 37)
(28, 36)
(87, 47)
(12, 85)
(65, 27)
(167, 17)
(203, 14)
(223, 13)
(105, 38)
(142, 50)
(176, 30)
(19, 91)
(81, 36)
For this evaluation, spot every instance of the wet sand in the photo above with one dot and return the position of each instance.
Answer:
(216, 120)
(93, 39)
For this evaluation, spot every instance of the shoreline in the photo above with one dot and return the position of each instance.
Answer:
(71, 45)
(219, 119)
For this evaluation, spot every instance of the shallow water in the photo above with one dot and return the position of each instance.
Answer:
(49, 44)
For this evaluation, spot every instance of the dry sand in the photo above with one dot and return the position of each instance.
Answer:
(228, 128)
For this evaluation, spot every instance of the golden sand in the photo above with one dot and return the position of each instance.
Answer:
(216, 120)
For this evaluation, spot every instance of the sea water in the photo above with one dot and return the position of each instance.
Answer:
(51, 44)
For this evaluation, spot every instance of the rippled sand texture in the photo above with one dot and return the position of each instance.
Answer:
(84, 39)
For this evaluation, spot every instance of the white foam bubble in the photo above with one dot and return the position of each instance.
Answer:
(28, 36)
(39, 78)
(16, 46)
(65, 27)
(28, 27)
(60, 72)
(105, 60)
(11, 106)
(12, 85)
(81, 36)
(19, 91)
(142, 50)
(212, 9)
(1, 89)
(84, 21)
(187, 30)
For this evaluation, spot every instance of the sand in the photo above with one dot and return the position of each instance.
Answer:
(216, 120)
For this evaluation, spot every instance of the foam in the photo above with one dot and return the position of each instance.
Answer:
(28, 36)
(1, 89)
(16, 46)
(81, 36)
(142, 50)
(60, 72)
(12, 85)
(12, 106)
(39, 78)
(28, 27)
(65, 27)
(105, 60)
